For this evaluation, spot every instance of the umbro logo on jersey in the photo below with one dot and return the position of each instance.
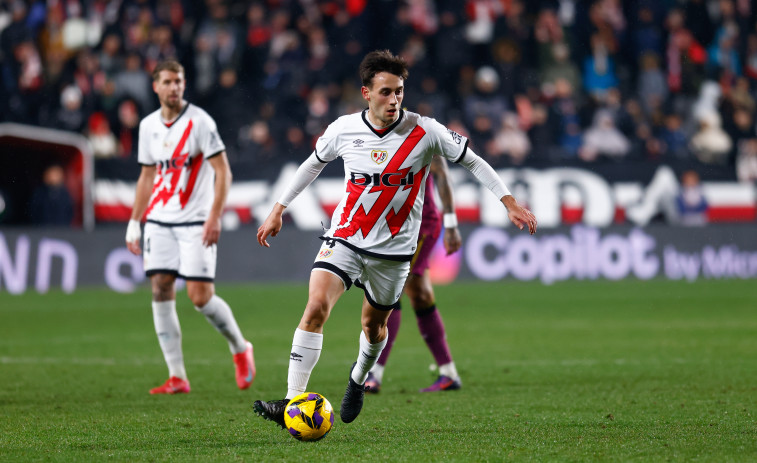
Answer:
(325, 253)
(296, 357)
(358, 143)
(455, 136)
(378, 156)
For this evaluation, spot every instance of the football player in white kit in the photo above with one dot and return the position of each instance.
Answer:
(374, 229)
(181, 190)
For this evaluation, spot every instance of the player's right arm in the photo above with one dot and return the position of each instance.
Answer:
(141, 198)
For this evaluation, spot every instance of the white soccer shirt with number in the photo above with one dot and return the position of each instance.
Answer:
(183, 190)
(385, 175)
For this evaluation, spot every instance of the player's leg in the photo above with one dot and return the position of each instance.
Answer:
(198, 266)
(376, 375)
(382, 282)
(169, 334)
(161, 261)
(218, 313)
(333, 272)
(421, 294)
(324, 291)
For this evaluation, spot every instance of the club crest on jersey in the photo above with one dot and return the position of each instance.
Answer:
(379, 156)
(325, 253)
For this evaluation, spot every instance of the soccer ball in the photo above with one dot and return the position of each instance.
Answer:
(309, 416)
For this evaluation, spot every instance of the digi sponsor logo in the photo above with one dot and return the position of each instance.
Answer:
(379, 156)
(325, 253)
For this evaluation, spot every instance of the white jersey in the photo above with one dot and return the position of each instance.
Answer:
(385, 174)
(184, 185)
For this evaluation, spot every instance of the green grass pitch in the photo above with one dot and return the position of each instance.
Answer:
(576, 371)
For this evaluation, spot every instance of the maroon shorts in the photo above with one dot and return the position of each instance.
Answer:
(429, 234)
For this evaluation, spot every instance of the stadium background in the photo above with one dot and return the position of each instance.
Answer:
(593, 112)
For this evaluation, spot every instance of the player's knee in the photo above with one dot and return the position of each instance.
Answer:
(422, 300)
(162, 288)
(200, 298)
(316, 313)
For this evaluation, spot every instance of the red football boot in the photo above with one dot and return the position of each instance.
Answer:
(174, 385)
(245, 366)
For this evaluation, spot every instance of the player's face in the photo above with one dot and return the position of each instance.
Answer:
(384, 98)
(170, 89)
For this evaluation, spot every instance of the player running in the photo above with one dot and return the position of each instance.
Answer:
(374, 229)
(182, 190)
(419, 289)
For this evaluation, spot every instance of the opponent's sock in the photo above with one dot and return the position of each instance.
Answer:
(432, 329)
(306, 348)
(366, 358)
(218, 313)
(449, 370)
(393, 327)
(169, 336)
(378, 372)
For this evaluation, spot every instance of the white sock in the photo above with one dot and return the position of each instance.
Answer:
(449, 370)
(306, 348)
(366, 358)
(169, 336)
(378, 372)
(218, 313)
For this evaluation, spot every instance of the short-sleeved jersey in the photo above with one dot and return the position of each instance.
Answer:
(385, 175)
(183, 190)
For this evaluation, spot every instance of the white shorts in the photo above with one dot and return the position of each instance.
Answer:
(382, 280)
(178, 251)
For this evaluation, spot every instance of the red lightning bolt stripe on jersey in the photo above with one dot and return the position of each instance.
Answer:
(385, 175)
(183, 189)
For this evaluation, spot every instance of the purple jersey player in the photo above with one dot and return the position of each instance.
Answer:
(418, 286)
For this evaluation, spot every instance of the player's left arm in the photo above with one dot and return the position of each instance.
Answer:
(452, 239)
(518, 215)
(211, 230)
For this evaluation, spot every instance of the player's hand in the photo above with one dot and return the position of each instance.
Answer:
(211, 231)
(271, 226)
(452, 240)
(133, 235)
(519, 215)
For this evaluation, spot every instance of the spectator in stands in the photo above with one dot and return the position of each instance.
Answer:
(746, 161)
(674, 138)
(485, 102)
(509, 142)
(134, 82)
(604, 139)
(71, 115)
(127, 128)
(104, 143)
(560, 67)
(691, 205)
(599, 68)
(652, 88)
(50, 202)
(711, 144)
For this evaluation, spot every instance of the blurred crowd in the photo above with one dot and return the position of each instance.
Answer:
(529, 81)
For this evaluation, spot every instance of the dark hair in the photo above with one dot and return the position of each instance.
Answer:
(381, 61)
(167, 65)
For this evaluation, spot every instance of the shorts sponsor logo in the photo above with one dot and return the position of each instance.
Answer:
(325, 253)
(379, 156)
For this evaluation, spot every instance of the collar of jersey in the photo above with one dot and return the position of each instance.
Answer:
(170, 124)
(388, 130)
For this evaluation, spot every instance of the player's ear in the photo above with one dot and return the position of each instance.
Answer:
(366, 93)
